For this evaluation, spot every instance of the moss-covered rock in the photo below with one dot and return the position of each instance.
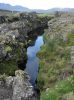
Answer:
(15, 37)
(8, 67)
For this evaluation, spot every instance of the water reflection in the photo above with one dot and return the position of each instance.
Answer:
(33, 61)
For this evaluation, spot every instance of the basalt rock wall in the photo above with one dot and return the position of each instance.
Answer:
(17, 32)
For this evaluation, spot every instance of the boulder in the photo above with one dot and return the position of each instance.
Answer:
(17, 87)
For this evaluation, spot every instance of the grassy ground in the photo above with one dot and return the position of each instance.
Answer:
(46, 14)
(7, 13)
(56, 72)
(59, 89)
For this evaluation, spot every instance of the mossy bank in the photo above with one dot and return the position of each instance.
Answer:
(56, 69)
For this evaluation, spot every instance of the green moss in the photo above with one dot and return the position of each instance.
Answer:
(70, 38)
(59, 89)
(8, 49)
(8, 67)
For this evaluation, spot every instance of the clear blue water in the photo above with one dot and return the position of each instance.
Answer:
(33, 61)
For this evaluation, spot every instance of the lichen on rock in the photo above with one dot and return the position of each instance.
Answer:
(18, 87)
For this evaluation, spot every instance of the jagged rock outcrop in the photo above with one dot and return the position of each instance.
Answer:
(15, 37)
(16, 34)
(17, 87)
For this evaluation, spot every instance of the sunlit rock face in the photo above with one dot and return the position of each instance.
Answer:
(17, 87)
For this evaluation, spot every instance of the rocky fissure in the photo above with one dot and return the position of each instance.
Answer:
(16, 35)
(17, 32)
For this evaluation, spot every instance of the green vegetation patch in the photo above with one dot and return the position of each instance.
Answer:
(46, 14)
(8, 67)
(70, 38)
(8, 49)
(54, 57)
(59, 89)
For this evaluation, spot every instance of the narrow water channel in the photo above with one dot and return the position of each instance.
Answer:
(33, 61)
